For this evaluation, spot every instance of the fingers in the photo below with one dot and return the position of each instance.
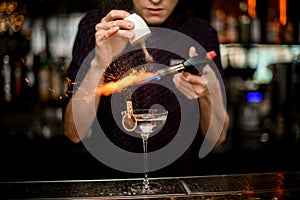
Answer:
(115, 14)
(192, 51)
(102, 35)
(194, 79)
(184, 86)
(191, 86)
(115, 18)
(122, 24)
(113, 24)
(106, 25)
(198, 83)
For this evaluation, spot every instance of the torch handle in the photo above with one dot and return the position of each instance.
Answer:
(196, 64)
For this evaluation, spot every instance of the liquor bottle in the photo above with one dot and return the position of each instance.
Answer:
(244, 23)
(55, 81)
(288, 32)
(218, 21)
(7, 84)
(232, 32)
(17, 80)
(255, 21)
(43, 78)
(273, 28)
(30, 92)
(255, 30)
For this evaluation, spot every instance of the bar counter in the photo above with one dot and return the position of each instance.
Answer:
(271, 186)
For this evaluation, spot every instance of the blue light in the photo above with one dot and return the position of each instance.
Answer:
(254, 97)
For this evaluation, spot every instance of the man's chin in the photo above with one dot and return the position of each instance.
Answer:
(154, 21)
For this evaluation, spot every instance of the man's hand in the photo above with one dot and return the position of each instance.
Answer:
(112, 35)
(192, 86)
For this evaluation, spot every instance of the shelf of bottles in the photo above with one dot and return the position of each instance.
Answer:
(262, 86)
(260, 48)
(32, 89)
(34, 56)
(251, 21)
(255, 34)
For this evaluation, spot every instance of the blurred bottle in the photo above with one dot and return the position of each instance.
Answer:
(57, 79)
(255, 32)
(44, 78)
(288, 32)
(218, 21)
(30, 79)
(63, 66)
(244, 23)
(7, 79)
(17, 80)
(232, 30)
(273, 28)
(255, 22)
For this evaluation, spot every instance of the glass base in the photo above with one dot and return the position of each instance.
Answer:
(140, 188)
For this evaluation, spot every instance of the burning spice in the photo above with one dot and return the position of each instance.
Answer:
(148, 57)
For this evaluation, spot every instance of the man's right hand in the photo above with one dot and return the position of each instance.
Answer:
(112, 35)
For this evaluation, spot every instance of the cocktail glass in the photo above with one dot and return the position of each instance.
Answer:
(145, 122)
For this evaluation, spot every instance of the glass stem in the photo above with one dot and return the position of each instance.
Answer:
(145, 146)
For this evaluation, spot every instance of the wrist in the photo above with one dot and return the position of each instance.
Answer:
(97, 66)
(205, 100)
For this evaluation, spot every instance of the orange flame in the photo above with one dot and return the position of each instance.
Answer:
(136, 77)
(116, 86)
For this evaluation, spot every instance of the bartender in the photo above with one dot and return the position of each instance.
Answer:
(102, 53)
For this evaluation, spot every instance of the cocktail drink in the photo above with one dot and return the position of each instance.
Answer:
(145, 122)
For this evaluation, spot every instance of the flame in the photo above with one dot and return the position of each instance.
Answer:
(116, 86)
(134, 78)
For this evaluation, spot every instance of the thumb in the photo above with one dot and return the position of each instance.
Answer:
(192, 51)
